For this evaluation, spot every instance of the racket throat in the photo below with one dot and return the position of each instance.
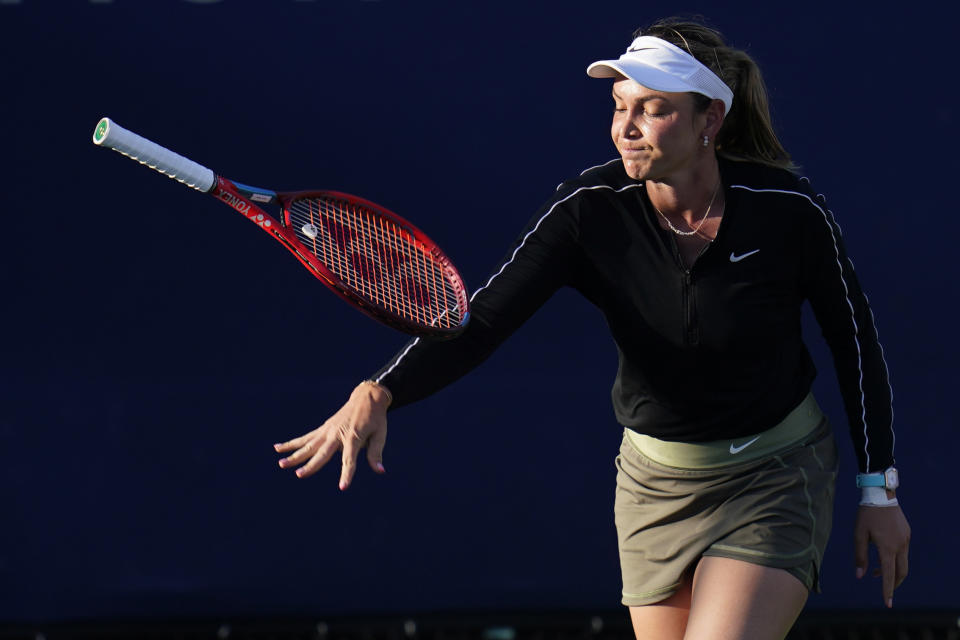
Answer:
(260, 196)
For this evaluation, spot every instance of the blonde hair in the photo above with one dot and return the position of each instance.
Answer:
(747, 132)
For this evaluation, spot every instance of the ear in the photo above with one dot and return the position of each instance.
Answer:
(714, 118)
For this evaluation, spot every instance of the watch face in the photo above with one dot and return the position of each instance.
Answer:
(891, 478)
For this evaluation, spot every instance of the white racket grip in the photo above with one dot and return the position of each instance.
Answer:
(109, 134)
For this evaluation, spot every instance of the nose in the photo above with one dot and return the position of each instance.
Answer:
(628, 126)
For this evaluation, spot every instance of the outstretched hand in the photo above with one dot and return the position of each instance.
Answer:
(887, 529)
(362, 421)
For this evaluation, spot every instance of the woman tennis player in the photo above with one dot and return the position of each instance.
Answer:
(699, 244)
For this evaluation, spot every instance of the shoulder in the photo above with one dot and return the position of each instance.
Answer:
(607, 178)
(782, 200)
(596, 193)
(759, 178)
(772, 186)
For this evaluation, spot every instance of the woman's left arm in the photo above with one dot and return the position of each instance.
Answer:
(843, 312)
(844, 315)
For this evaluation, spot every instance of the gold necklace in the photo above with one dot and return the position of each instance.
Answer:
(702, 220)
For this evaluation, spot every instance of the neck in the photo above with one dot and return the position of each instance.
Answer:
(687, 193)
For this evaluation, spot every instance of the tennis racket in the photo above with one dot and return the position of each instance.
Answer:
(369, 256)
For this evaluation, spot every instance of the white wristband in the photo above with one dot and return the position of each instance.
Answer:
(876, 497)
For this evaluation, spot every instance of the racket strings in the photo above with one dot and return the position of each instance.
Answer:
(379, 259)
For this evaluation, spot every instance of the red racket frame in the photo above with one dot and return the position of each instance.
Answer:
(235, 197)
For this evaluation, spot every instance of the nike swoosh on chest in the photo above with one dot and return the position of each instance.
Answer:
(735, 257)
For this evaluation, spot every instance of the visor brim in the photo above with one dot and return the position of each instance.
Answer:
(642, 74)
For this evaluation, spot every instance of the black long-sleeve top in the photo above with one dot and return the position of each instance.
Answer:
(705, 353)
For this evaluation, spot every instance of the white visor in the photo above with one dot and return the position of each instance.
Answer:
(659, 65)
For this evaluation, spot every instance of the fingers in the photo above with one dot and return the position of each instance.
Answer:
(375, 450)
(320, 458)
(299, 456)
(899, 566)
(352, 443)
(313, 448)
(888, 572)
(893, 569)
(902, 567)
(290, 445)
(860, 549)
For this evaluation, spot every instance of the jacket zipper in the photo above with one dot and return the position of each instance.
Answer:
(691, 330)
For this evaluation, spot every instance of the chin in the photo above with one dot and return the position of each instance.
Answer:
(634, 171)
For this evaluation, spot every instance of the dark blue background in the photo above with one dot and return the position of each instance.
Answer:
(155, 344)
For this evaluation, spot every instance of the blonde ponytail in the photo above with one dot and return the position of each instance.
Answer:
(747, 132)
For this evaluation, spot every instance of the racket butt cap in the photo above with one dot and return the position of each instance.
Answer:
(101, 131)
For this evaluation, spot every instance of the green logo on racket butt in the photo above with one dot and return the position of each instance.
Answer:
(100, 133)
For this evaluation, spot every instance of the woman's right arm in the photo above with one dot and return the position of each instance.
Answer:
(541, 261)
(533, 270)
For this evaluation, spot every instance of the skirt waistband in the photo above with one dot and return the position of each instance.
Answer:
(798, 424)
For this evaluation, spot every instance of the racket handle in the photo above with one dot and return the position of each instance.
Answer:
(109, 134)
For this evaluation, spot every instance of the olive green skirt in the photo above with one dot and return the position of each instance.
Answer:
(765, 499)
